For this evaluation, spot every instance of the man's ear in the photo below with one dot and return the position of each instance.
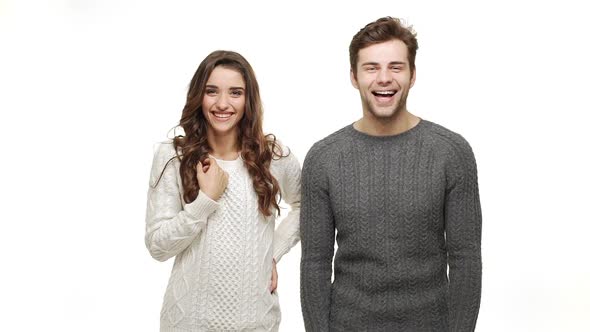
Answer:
(353, 79)
(413, 80)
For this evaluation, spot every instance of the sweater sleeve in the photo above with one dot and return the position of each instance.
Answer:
(287, 233)
(170, 228)
(463, 236)
(317, 245)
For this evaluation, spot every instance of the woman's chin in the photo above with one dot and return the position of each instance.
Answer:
(224, 129)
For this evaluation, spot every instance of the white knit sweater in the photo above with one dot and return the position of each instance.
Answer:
(224, 249)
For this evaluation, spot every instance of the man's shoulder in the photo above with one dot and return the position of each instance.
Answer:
(329, 144)
(446, 139)
(449, 142)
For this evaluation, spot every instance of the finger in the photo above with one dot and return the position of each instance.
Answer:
(274, 278)
(199, 167)
(273, 284)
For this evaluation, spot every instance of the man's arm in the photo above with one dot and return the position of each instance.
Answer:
(317, 244)
(463, 234)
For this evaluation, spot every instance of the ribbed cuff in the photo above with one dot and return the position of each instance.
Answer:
(280, 247)
(202, 207)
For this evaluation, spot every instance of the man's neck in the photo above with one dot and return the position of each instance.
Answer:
(400, 122)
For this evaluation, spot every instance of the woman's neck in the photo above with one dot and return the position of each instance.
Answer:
(223, 146)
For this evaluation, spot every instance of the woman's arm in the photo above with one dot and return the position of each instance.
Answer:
(169, 228)
(289, 177)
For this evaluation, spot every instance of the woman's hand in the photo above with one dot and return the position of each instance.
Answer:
(212, 178)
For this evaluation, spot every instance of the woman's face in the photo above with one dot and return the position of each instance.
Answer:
(224, 100)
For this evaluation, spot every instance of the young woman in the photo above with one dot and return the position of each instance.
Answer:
(212, 203)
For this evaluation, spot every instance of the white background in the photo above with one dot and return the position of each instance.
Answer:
(87, 87)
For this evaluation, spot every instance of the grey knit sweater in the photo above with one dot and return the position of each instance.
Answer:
(403, 207)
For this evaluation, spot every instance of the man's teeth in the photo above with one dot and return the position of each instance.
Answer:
(384, 93)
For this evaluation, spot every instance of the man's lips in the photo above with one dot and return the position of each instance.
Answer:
(384, 93)
(384, 97)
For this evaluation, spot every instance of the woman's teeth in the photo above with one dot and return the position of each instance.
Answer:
(222, 115)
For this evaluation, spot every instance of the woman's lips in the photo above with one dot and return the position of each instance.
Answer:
(222, 116)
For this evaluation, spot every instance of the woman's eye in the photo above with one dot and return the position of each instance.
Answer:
(236, 93)
(210, 91)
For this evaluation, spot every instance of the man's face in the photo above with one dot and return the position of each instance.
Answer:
(383, 78)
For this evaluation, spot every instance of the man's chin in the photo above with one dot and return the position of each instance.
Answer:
(384, 114)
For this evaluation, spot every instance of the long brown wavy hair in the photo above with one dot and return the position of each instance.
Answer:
(257, 149)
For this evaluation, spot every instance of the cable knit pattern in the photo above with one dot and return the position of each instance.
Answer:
(403, 208)
(224, 249)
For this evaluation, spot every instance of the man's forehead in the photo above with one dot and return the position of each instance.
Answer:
(391, 51)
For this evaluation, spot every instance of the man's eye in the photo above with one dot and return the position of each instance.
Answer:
(371, 69)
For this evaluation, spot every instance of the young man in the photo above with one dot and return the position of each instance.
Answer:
(402, 194)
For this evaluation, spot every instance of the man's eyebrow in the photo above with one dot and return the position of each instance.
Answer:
(370, 63)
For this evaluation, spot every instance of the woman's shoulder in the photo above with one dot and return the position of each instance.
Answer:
(164, 150)
(283, 157)
(164, 155)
